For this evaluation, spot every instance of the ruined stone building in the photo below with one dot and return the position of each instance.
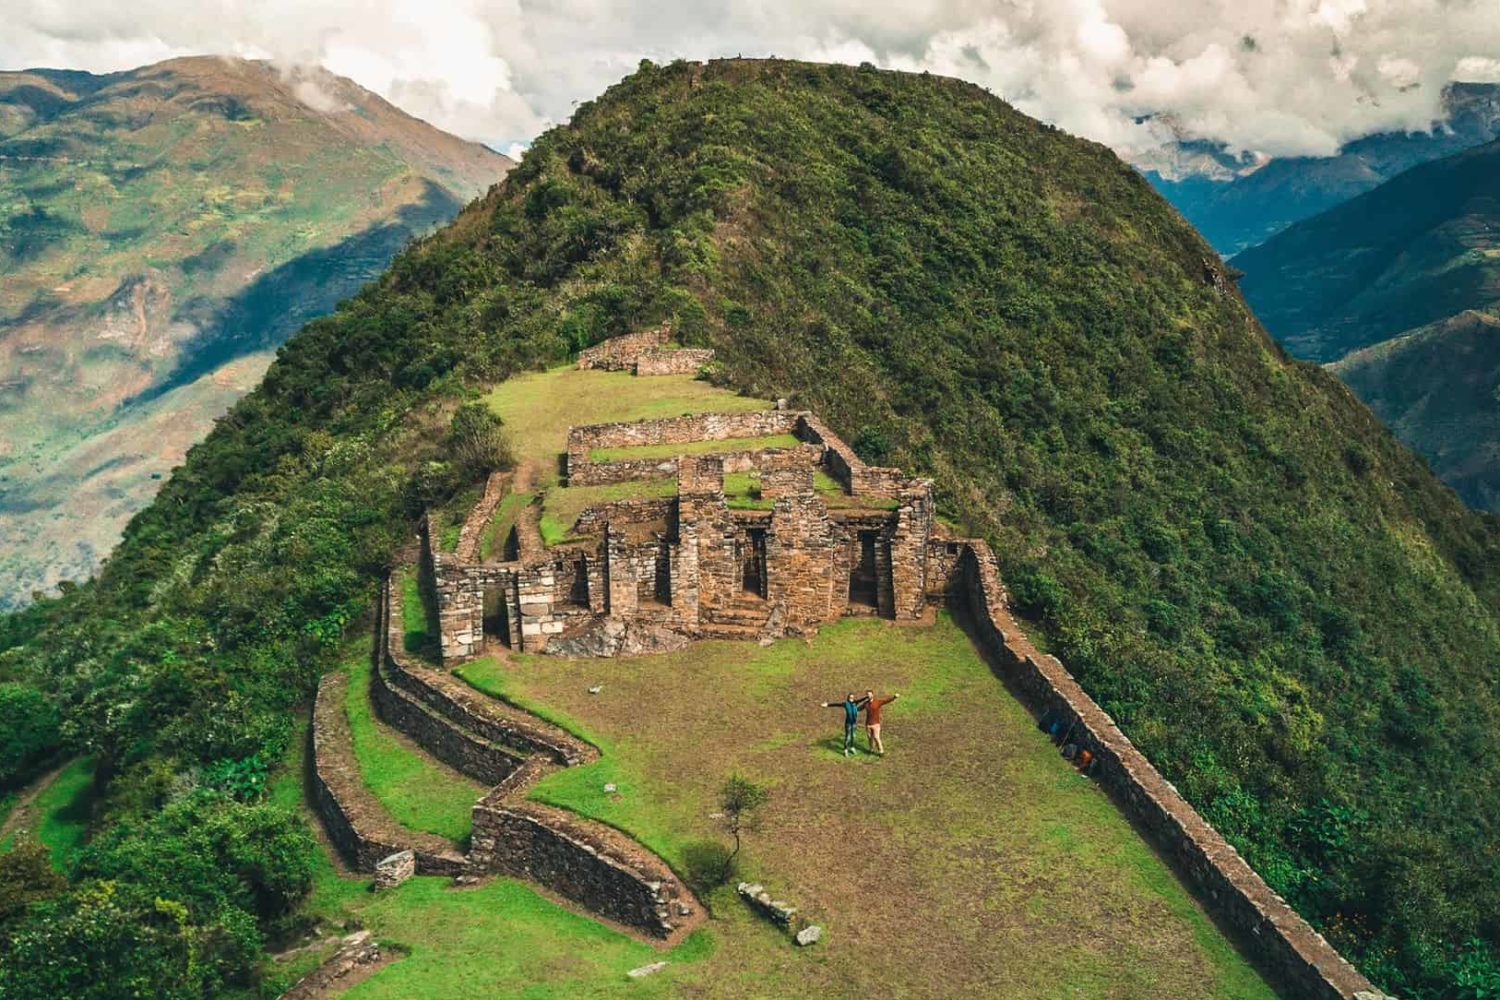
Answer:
(806, 534)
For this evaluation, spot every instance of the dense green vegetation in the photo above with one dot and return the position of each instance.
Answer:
(1438, 388)
(1278, 601)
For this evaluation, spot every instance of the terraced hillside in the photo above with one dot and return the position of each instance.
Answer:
(1279, 604)
(162, 231)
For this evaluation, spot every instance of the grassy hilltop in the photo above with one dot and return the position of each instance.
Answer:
(162, 230)
(1277, 601)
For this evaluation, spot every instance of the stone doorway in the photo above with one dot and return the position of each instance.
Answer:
(496, 616)
(753, 571)
(577, 593)
(864, 580)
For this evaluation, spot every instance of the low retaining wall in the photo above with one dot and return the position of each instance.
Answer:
(620, 353)
(478, 758)
(626, 470)
(359, 826)
(665, 361)
(584, 438)
(1287, 948)
(845, 466)
(467, 708)
(472, 533)
(528, 842)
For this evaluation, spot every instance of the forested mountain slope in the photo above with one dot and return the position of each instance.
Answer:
(1276, 599)
(162, 230)
(1394, 286)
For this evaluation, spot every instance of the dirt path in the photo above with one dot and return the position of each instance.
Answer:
(22, 808)
(528, 534)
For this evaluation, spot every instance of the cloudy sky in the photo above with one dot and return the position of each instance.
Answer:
(1271, 76)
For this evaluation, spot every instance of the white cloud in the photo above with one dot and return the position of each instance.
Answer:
(1268, 76)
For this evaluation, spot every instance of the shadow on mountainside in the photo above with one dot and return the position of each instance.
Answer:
(273, 307)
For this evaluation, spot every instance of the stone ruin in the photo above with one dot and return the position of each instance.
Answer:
(649, 352)
(652, 574)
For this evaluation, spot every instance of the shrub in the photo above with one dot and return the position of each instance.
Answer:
(477, 444)
(30, 733)
(26, 877)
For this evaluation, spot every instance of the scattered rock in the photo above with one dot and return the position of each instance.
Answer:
(646, 970)
(596, 689)
(610, 787)
(465, 881)
(809, 935)
(684, 910)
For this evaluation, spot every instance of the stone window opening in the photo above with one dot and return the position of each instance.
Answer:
(496, 616)
(663, 589)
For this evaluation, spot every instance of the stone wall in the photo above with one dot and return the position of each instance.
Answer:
(456, 701)
(802, 559)
(584, 439)
(472, 533)
(529, 841)
(593, 519)
(621, 353)
(359, 827)
(842, 464)
(455, 746)
(1281, 942)
(665, 361)
(625, 470)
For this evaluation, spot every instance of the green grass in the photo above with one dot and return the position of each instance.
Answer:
(972, 814)
(416, 636)
(500, 940)
(561, 505)
(722, 446)
(492, 543)
(59, 814)
(539, 407)
(418, 791)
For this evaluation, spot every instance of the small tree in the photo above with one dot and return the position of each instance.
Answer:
(740, 800)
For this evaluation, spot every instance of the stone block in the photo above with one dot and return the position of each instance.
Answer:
(393, 869)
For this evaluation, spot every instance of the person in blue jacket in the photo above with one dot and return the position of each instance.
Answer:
(851, 707)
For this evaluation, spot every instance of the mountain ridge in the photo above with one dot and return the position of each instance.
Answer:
(1275, 599)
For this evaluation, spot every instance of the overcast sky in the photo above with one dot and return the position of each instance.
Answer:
(1272, 76)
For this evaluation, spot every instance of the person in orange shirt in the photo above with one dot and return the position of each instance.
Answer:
(873, 705)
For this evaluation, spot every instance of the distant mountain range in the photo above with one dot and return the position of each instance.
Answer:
(1239, 201)
(161, 232)
(1400, 288)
